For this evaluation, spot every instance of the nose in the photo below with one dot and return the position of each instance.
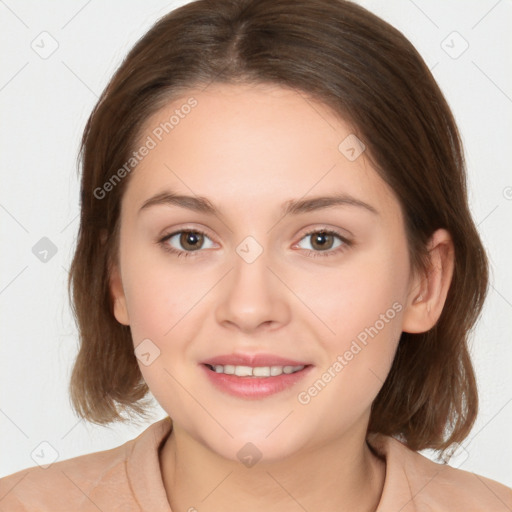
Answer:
(253, 297)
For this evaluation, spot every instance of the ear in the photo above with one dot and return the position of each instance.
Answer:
(117, 291)
(428, 291)
(117, 294)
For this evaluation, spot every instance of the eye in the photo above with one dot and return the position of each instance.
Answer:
(190, 241)
(323, 241)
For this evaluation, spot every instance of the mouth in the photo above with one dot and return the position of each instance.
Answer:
(254, 377)
(255, 371)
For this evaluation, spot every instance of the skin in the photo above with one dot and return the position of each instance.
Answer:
(249, 149)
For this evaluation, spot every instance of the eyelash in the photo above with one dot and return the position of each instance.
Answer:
(314, 254)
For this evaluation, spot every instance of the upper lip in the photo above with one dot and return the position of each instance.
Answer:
(253, 360)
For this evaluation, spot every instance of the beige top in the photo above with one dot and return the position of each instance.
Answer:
(128, 478)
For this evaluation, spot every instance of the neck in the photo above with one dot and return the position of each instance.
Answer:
(342, 475)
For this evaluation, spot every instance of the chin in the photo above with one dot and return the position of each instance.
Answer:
(252, 444)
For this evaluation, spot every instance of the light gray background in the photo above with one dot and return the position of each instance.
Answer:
(44, 106)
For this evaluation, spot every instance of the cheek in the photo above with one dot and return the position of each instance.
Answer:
(363, 306)
(159, 295)
(165, 305)
(161, 308)
(358, 299)
(360, 306)
(356, 364)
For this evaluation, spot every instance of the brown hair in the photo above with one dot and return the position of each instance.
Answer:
(368, 73)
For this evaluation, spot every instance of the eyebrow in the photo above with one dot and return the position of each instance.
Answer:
(292, 207)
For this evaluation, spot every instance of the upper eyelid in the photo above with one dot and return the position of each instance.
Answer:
(174, 232)
(337, 232)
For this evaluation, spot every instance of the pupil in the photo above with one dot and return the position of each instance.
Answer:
(190, 239)
(321, 239)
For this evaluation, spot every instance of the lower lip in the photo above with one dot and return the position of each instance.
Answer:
(254, 387)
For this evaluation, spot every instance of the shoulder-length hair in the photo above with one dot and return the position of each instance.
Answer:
(370, 75)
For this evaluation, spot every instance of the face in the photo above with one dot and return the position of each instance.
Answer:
(254, 279)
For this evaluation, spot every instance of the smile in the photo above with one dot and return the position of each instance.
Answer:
(257, 371)
(254, 382)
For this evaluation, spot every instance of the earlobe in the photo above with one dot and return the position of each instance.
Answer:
(118, 297)
(428, 292)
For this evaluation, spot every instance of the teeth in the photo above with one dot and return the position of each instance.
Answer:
(257, 371)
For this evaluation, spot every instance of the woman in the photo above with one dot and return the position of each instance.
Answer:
(275, 241)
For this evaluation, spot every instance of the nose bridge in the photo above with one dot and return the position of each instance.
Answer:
(251, 264)
(253, 295)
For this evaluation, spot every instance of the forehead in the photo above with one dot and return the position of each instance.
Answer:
(252, 144)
